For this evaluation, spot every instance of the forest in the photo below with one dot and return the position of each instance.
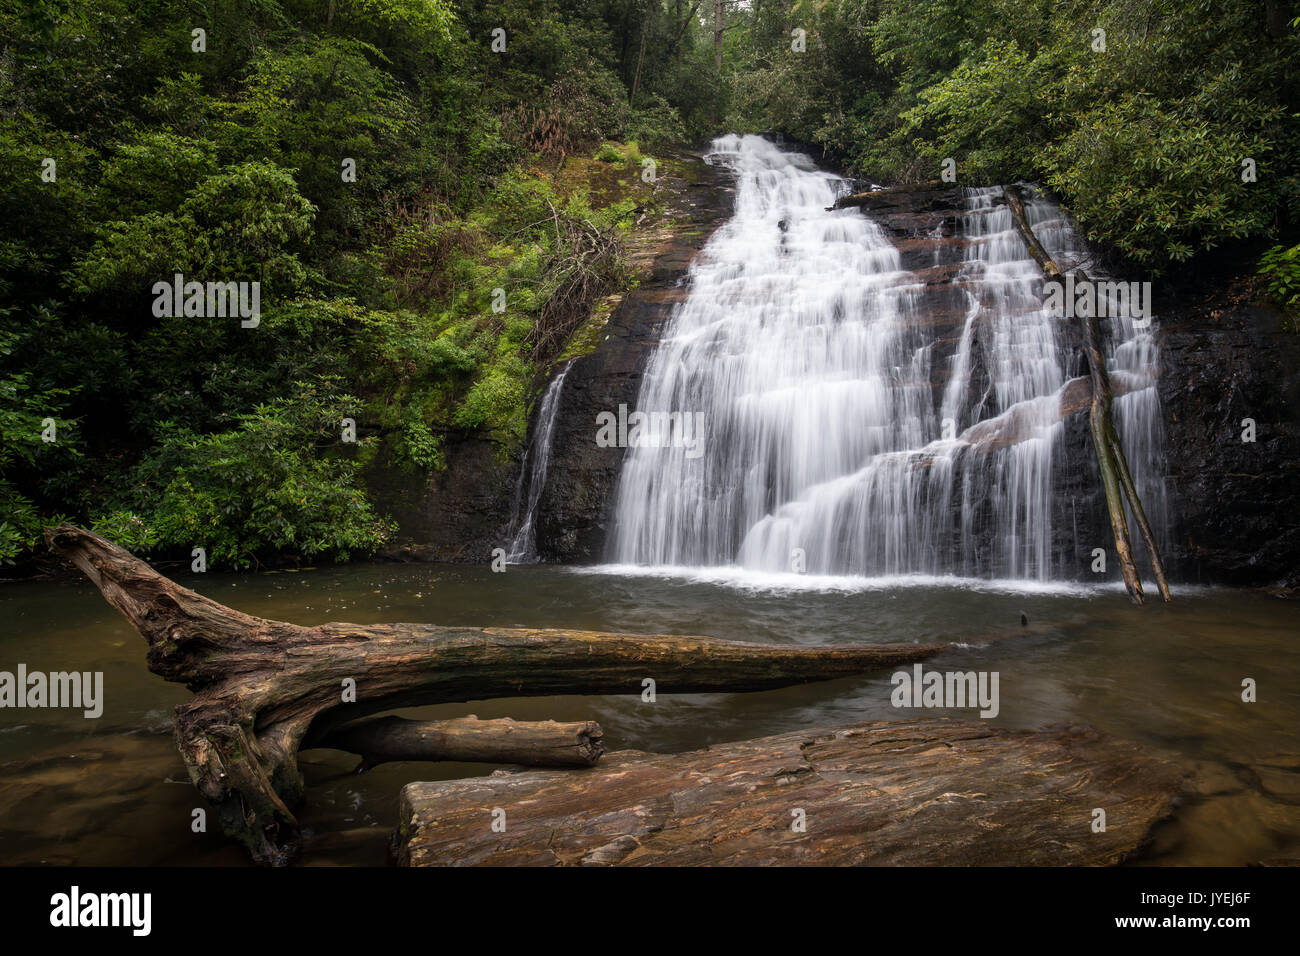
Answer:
(408, 182)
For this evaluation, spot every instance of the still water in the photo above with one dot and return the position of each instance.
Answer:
(114, 791)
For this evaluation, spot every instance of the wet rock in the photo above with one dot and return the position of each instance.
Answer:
(931, 791)
(463, 512)
(1236, 503)
(1233, 506)
(457, 514)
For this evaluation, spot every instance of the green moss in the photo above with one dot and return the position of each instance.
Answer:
(592, 332)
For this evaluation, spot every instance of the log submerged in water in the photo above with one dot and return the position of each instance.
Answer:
(264, 689)
(530, 743)
(933, 791)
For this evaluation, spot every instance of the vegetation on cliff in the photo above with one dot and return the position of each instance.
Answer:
(391, 182)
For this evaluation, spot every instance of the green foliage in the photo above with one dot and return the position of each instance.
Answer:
(26, 412)
(126, 528)
(20, 530)
(421, 447)
(1142, 131)
(983, 112)
(430, 20)
(279, 480)
(655, 122)
(153, 172)
(1280, 267)
(496, 403)
(322, 101)
(1161, 182)
(44, 220)
(245, 222)
(378, 298)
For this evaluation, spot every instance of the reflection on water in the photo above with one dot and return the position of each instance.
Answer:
(113, 790)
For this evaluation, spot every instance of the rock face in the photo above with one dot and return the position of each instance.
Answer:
(924, 224)
(575, 507)
(457, 514)
(1233, 506)
(888, 793)
(1236, 503)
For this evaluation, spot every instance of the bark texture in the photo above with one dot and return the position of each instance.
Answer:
(537, 743)
(934, 791)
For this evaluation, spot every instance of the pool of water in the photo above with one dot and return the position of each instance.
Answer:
(113, 790)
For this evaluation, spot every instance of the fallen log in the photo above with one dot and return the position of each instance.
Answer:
(537, 743)
(265, 689)
(1113, 464)
(934, 791)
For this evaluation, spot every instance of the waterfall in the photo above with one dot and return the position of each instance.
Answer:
(523, 544)
(845, 431)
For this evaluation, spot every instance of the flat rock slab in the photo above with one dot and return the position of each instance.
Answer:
(934, 791)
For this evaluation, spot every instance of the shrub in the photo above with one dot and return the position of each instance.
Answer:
(1281, 270)
(1158, 181)
(421, 447)
(279, 481)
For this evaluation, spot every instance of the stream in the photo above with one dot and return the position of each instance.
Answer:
(113, 790)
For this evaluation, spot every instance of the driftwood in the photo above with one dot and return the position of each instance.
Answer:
(535, 743)
(265, 689)
(1115, 476)
(932, 791)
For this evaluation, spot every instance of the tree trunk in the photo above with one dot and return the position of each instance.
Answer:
(934, 791)
(265, 689)
(718, 8)
(1115, 477)
(640, 58)
(681, 27)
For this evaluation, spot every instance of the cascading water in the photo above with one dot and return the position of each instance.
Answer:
(523, 544)
(827, 446)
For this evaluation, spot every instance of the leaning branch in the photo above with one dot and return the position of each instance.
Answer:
(1115, 476)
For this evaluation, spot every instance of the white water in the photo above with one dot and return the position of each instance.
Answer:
(523, 545)
(825, 448)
